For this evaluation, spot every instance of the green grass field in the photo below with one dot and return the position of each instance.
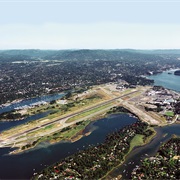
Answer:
(58, 136)
(88, 113)
(136, 141)
(70, 132)
(169, 113)
(49, 126)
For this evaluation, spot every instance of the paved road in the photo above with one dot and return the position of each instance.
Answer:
(69, 116)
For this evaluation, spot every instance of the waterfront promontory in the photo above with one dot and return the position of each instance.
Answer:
(95, 162)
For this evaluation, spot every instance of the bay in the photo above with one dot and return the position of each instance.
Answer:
(27, 102)
(167, 79)
(22, 166)
(9, 124)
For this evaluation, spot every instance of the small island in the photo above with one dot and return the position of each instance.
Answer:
(177, 73)
(13, 115)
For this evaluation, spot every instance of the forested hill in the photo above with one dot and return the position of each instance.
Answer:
(86, 54)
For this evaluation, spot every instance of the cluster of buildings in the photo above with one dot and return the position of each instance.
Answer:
(163, 101)
(165, 165)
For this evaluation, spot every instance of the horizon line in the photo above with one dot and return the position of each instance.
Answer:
(149, 49)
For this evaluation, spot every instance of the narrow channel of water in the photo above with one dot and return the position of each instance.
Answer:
(139, 153)
(28, 102)
(4, 125)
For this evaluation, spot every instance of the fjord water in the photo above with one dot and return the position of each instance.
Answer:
(23, 166)
(9, 124)
(167, 79)
(27, 102)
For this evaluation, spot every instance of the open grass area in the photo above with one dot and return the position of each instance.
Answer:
(126, 91)
(169, 113)
(88, 113)
(57, 112)
(136, 141)
(65, 134)
(49, 126)
(62, 109)
(135, 94)
(73, 131)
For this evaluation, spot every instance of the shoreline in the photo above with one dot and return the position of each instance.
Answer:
(73, 138)
(25, 99)
(95, 118)
(125, 157)
(12, 120)
(47, 131)
(163, 158)
(109, 142)
(171, 70)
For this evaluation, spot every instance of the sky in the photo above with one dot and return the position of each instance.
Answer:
(85, 24)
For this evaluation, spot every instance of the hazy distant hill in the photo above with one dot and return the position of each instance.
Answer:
(28, 52)
(160, 51)
(86, 54)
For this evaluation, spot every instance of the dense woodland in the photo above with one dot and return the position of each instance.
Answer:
(30, 73)
(96, 161)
